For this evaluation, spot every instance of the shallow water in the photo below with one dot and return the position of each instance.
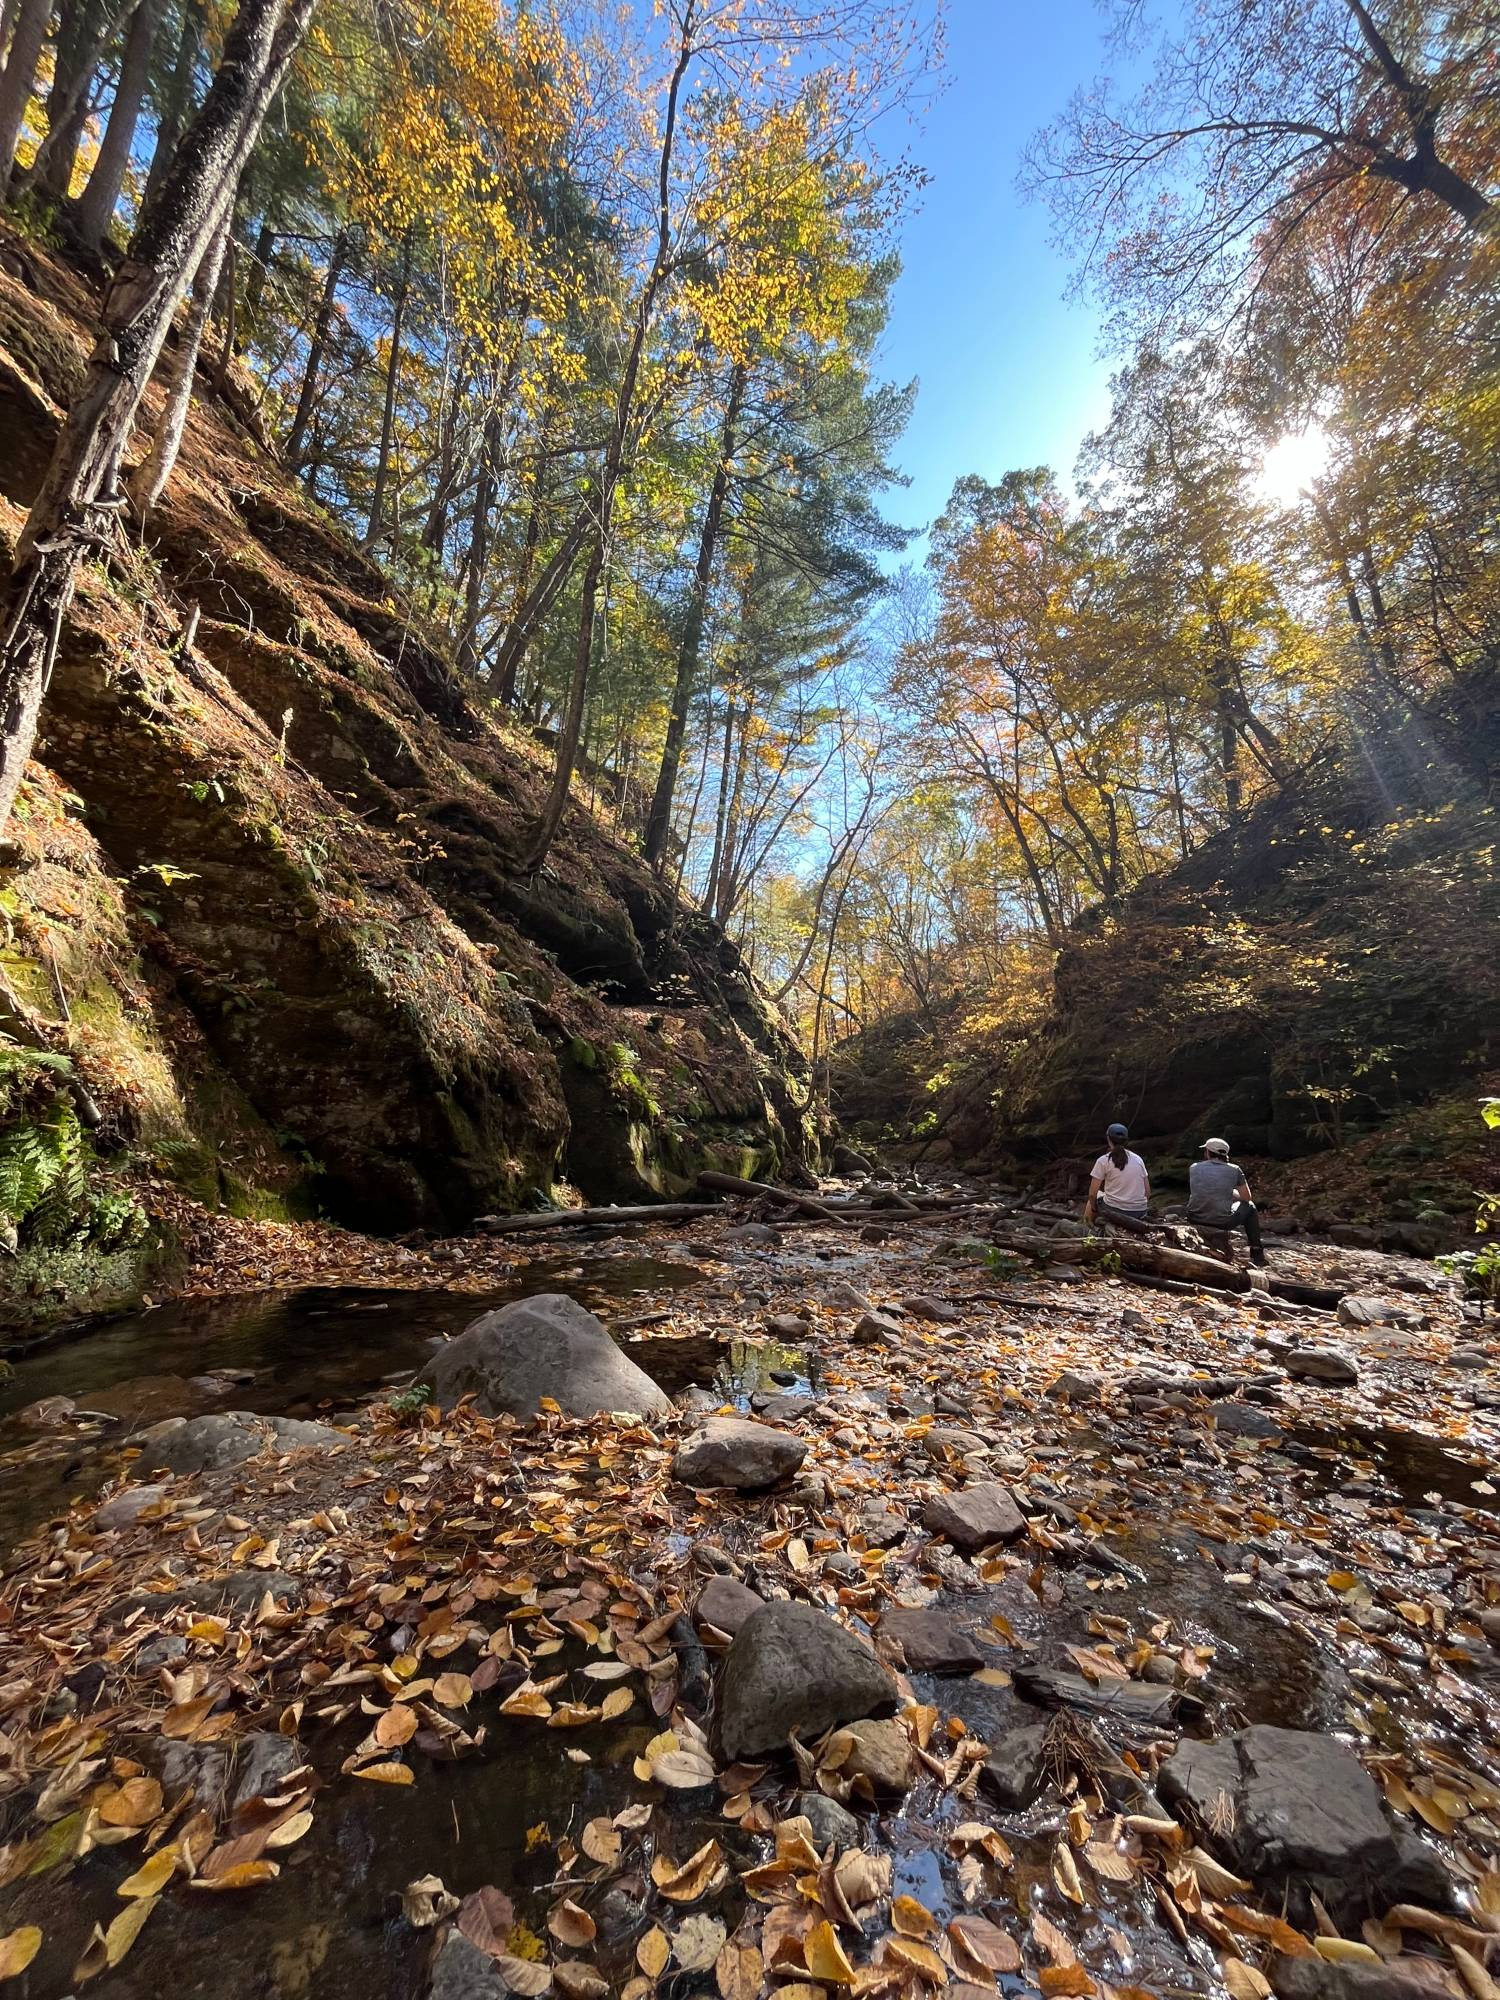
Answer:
(314, 1352)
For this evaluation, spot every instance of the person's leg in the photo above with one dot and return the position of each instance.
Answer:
(1247, 1215)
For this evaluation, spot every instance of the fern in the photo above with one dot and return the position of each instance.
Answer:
(44, 1175)
(20, 1066)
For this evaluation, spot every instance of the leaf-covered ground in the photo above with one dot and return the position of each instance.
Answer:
(456, 1645)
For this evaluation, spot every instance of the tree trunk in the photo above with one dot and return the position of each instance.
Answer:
(16, 79)
(659, 819)
(479, 545)
(151, 476)
(316, 348)
(95, 208)
(177, 98)
(84, 32)
(226, 303)
(388, 413)
(537, 603)
(539, 844)
(78, 496)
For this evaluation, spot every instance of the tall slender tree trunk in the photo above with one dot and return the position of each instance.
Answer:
(392, 387)
(317, 347)
(542, 835)
(177, 98)
(690, 644)
(95, 208)
(446, 480)
(534, 607)
(78, 499)
(479, 546)
(28, 34)
(151, 476)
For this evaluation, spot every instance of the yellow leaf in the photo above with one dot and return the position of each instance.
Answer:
(244, 1875)
(453, 1691)
(290, 1830)
(398, 1725)
(825, 1956)
(619, 1701)
(136, 1803)
(153, 1875)
(386, 1774)
(18, 1949)
(601, 1842)
(911, 1918)
(572, 1925)
(653, 1952)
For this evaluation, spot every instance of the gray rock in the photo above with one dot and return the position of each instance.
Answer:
(785, 1326)
(732, 1451)
(873, 1329)
(881, 1526)
(726, 1603)
(461, 1971)
(199, 1768)
(159, 1652)
(123, 1510)
(209, 1444)
(264, 1759)
(1468, 1357)
(1358, 1309)
(982, 1513)
(782, 1409)
(1015, 1774)
(1316, 1979)
(942, 1441)
(792, 1668)
(543, 1346)
(1076, 1385)
(1292, 1810)
(752, 1232)
(842, 1566)
(832, 1825)
(929, 1642)
(1244, 1420)
(1319, 1364)
(922, 1305)
(1065, 1274)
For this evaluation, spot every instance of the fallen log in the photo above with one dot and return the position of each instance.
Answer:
(1161, 1260)
(732, 1184)
(592, 1218)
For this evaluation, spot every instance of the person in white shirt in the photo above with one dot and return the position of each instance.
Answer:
(1120, 1187)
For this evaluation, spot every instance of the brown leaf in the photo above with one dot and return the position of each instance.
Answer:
(243, 1875)
(572, 1925)
(577, 1981)
(911, 1918)
(398, 1725)
(136, 1803)
(739, 1971)
(486, 1918)
(986, 1943)
(523, 1975)
(387, 1774)
(601, 1842)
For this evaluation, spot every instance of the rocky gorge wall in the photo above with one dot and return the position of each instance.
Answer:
(260, 893)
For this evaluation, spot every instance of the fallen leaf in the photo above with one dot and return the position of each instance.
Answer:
(577, 1981)
(653, 1952)
(244, 1875)
(739, 1972)
(387, 1774)
(486, 1918)
(572, 1925)
(290, 1830)
(986, 1943)
(687, 1883)
(426, 1901)
(697, 1942)
(152, 1876)
(524, 1975)
(825, 1958)
(398, 1725)
(601, 1842)
(18, 1949)
(137, 1802)
(912, 1918)
(1244, 1982)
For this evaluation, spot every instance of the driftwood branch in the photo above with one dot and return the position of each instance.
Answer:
(591, 1218)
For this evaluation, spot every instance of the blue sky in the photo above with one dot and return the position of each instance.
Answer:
(1008, 369)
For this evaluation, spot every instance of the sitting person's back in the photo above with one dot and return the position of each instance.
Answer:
(1219, 1196)
(1213, 1187)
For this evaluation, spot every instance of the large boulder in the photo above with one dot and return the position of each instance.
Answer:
(1319, 1364)
(1298, 1814)
(732, 1451)
(982, 1513)
(208, 1444)
(508, 1360)
(794, 1669)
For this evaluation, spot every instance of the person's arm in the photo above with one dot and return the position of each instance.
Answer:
(1094, 1186)
(1242, 1192)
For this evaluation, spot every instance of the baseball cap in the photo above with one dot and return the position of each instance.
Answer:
(1218, 1147)
(1117, 1132)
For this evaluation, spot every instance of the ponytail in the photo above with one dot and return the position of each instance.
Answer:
(1118, 1154)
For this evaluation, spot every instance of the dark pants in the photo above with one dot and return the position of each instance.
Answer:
(1242, 1215)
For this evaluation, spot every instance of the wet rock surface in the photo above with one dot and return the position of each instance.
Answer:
(975, 1516)
(794, 1670)
(208, 1444)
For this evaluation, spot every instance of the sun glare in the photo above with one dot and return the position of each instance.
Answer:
(1292, 464)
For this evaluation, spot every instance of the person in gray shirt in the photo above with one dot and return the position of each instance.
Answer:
(1219, 1196)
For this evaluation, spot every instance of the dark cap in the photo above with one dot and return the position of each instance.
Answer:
(1117, 1132)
